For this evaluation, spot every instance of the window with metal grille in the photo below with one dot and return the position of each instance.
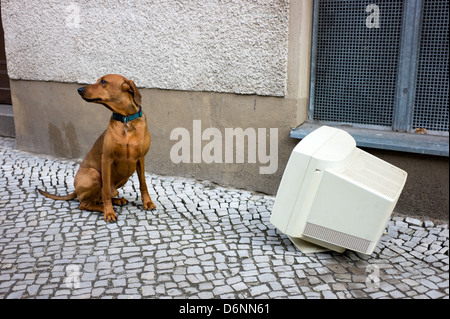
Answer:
(356, 66)
(383, 65)
(431, 104)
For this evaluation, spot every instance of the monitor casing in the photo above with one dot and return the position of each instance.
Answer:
(335, 195)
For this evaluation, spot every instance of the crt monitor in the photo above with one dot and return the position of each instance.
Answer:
(334, 195)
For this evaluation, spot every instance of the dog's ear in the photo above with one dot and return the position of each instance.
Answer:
(129, 86)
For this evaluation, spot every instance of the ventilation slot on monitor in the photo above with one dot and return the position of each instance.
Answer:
(336, 237)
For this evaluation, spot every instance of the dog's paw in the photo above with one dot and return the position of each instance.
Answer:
(149, 205)
(119, 201)
(109, 215)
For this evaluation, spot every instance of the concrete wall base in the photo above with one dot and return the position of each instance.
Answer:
(51, 118)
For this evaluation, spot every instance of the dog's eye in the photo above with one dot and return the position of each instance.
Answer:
(102, 81)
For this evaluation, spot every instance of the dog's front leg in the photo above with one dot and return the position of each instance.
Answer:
(108, 210)
(140, 167)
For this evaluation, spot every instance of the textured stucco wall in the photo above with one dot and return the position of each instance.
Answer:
(235, 46)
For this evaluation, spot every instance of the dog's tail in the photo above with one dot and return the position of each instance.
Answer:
(56, 197)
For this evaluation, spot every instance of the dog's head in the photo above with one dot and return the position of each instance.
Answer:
(115, 92)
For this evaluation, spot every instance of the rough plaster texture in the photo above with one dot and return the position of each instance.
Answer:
(234, 46)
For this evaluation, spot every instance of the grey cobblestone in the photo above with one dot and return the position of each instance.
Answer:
(203, 241)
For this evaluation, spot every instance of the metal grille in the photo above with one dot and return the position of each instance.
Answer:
(431, 109)
(336, 237)
(356, 66)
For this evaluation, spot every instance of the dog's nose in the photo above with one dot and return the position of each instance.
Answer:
(80, 90)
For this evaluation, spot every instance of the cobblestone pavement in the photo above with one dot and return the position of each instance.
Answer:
(203, 241)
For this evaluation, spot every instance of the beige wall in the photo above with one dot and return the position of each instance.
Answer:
(51, 118)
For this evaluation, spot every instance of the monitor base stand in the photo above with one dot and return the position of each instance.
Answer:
(307, 247)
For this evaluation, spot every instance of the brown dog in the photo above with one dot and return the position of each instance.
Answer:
(117, 153)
